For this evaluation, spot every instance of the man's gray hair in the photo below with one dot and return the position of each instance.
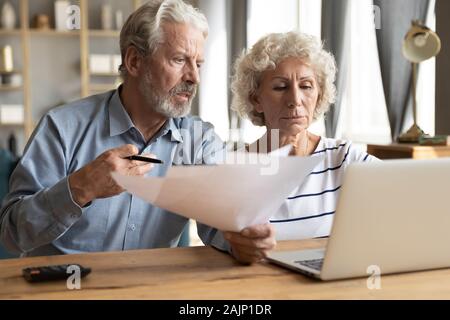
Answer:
(143, 27)
(266, 54)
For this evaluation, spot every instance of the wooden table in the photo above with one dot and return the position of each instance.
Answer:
(406, 150)
(205, 273)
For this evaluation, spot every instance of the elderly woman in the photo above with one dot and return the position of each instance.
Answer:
(285, 82)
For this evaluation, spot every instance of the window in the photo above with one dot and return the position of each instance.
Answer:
(213, 89)
(363, 116)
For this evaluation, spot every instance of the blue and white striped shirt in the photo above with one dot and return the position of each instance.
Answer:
(308, 211)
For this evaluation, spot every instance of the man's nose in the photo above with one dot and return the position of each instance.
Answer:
(192, 74)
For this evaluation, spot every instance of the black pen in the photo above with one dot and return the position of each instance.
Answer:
(145, 159)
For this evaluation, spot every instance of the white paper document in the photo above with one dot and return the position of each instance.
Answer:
(229, 196)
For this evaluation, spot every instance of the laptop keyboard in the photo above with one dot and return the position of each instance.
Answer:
(313, 264)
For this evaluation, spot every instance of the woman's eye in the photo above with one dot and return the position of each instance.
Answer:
(306, 87)
(179, 60)
(280, 88)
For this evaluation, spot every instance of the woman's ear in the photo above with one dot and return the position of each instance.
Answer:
(254, 100)
(132, 61)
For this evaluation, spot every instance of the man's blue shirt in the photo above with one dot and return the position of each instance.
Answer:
(39, 216)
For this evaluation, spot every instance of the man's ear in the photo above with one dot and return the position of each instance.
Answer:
(133, 61)
(254, 100)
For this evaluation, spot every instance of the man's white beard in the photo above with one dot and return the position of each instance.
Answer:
(162, 104)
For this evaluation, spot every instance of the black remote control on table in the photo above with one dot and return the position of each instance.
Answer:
(50, 273)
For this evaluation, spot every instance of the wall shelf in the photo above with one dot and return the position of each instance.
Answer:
(10, 71)
(6, 87)
(104, 74)
(6, 32)
(54, 33)
(104, 33)
(97, 87)
(12, 125)
(30, 37)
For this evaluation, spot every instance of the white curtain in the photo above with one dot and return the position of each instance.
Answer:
(363, 116)
(213, 90)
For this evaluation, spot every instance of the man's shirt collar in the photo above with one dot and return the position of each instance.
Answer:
(120, 121)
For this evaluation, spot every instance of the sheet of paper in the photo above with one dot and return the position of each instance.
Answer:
(228, 197)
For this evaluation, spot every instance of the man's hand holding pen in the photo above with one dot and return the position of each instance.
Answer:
(94, 180)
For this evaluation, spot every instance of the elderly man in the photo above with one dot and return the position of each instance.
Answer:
(63, 199)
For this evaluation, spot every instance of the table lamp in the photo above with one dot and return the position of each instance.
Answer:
(420, 44)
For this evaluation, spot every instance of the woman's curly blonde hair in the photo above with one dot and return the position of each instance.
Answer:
(266, 54)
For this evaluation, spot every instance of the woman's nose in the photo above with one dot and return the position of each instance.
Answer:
(295, 97)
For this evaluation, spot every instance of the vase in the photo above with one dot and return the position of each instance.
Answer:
(119, 19)
(106, 17)
(61, 16)
(6, 63)
(8, 16)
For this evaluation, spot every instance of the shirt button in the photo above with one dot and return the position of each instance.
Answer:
(132, 227)
(73, 216)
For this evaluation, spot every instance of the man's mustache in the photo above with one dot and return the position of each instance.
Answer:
(184, 87)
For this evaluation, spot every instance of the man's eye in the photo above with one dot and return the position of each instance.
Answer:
(179, 60)
(280, 88)
(306, 87)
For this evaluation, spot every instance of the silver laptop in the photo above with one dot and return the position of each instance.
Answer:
(392, 216)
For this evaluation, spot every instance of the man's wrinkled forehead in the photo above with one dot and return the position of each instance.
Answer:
(182, 37)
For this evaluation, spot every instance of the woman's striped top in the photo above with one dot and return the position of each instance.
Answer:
(308, 211)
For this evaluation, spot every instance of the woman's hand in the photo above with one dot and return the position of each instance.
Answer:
(252, 243)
